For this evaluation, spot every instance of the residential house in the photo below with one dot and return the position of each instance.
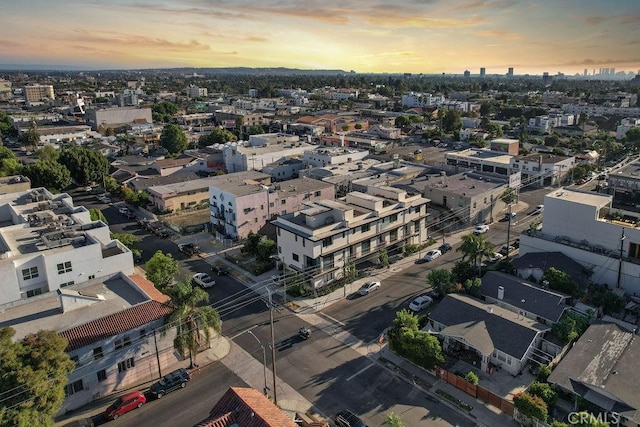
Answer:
(533, 265)
(495, 335)
(324, 236)
(586, 228)
(180, 164)
(524, 298)
(602, 369)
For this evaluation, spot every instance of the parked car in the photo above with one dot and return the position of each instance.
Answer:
(348, 419)
(509, 216)
(220, 270)
(189, 249)
(495, 257)
(124, 404)
(204, 280)
(538, 210)
(420, 303)
(505, 248)
(432, 254)
(124, 210)
(481, 229)
(170, 382)
(444, 248)
(369, 287)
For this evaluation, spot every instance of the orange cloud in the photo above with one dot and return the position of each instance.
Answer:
(499, 34)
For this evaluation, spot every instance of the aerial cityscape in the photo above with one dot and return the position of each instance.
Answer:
(343, 214)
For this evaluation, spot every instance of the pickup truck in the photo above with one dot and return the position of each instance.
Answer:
(203, 280)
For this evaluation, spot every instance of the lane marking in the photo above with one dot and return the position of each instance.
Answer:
(245, 331)
(334, 320)
(359, 372)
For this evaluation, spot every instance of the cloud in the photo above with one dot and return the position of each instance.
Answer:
(256, 39)
(630, 19)
(594, 20)
(140, 41)
(499, 34)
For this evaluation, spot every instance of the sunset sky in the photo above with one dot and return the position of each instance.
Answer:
(417, 36)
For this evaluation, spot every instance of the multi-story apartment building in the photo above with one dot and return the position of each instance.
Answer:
(241, 207)
(545, 169)
(36, 93)
(260, 151)
(584, 227)
(324, 236)
(330, 156)
(116, 116)
(196, 92)
(414, 99)
(47, 243)
(545, 124)
(625, 125)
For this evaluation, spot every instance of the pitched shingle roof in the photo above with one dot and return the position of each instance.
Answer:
(521, 294)
(512, 337)
(558, 260)
(114, 324)
(246, 407)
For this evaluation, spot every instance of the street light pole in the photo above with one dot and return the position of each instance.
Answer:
(264, 362)
(273, 349)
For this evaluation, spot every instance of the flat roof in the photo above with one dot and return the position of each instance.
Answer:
(471, 154)
(545, 158)
(583, 198)
(205, 183)
(631, 170)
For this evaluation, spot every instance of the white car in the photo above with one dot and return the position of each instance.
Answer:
(432, 254)
(369, 287)
(204, 280)
(481, 229)
(538, 210)
(495, 257)
(420, 303)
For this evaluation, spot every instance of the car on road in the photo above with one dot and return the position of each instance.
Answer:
(125, 403)
(203, 280)
(189, 249)
(505, 248)
(495, 257)
(538, 210)
(220, 270)
(420, 303)
(369, 287)
(170, 382)
(509, 216)
(481, 229)
(432, 254)
(444, 248)
(348, 419)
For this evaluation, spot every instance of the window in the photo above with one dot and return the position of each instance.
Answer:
(97, 353)
(102, 375)
(327, 241)
(295, 257)
(283, 201)
(64, 267)
(143, 333)
(34, 292)
(634, 250)
(278, 231)
(365, 228)
(295, 237)
(318, 193)
(126, 365)
(303, 240)
(92, 276)
(70, 283)
(73, 387)
(125, 341)
(30, 273)
(393, 218)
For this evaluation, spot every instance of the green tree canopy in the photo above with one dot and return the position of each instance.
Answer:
(130, 241)
(51, 175)
(216, 136)
(570, 326)
(383, 257)
(265, 249)
(402, 121)
(96, 215)
(544, 391)
(441, 280)
(9, 163)
(531, 406)
(6, 125)
(34, 374)
(173, 139)
(409, 341)
(161, 269)
(48, 152)
(451, 120)
(163, 111)
(86, 166)
(560, 281)
(31, 138)
(192, 320)
(475, 247)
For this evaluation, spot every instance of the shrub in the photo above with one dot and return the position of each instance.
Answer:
(472, 378)
(544, 373)
(531, 406)
(543, 391)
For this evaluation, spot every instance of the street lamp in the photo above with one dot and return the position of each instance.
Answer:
(264, 361)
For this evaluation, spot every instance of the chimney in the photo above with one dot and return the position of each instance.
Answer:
(500, 293)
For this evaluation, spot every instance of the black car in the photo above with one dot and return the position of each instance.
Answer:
(189, 249)
(219, 270)
(348, 419)
(173, 381)
(445, 247)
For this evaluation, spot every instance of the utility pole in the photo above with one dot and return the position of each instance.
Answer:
(273, 350)
(509, 232)
(620, 258)
(155, 341)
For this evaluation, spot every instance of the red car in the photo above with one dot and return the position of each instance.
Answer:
(124, 404)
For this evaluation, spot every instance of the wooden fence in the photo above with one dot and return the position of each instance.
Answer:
(476, 391)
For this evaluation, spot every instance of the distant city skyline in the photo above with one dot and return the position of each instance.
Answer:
(406, 36)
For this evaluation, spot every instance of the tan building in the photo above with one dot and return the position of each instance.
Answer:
(36, 93)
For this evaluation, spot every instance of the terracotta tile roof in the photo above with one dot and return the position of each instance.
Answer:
(148, 288)
(246, 407)
(114, 324)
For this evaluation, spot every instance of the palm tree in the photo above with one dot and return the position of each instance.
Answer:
(193, 322)
(474, 247)
(393, 420)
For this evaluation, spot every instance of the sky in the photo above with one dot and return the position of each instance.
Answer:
(366, 36)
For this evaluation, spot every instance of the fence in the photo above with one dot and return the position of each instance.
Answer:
(528, 421)
(476, 391)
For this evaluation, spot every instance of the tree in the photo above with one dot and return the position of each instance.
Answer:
(31, 138)
(163, 111)
(86, 166)
(193, 321)
(441, 280)
(409, 341)
(34, 374)
(560, 281)
(474, 247)
(266, 248)
(463, 271)
(393, 420)
(544, 392)
(51, 175)
(9, 163)
(251, 244)
(255, 130)
(216, 136)
(49, 153)
(570, 326)
(543, 374)
(161, 269)
(509, 196)
(383, 257)
(402, 121)
(531, 406)
(130, 241)
(450, 120)
(173, 139)
(97, 215)
(473, 286)
(472, 378)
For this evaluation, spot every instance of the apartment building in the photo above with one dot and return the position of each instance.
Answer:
(543, 169)
(414, 99)
(258, 152)
(322, 237)
(585, 227)
(333, 156)
(47, 243)
(481, 160)
(239, 207)
(37, 93)
(625, 125)
(196, 92)
(106, 117)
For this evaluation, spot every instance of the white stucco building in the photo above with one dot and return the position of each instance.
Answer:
(323, 236)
